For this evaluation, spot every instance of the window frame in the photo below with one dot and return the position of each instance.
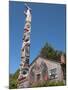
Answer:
(53, 73)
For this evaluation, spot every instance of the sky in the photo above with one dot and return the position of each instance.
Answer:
(48, 25)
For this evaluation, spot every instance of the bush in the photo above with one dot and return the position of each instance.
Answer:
(12, 84)
(13, 80)
(58, 83)
(47, 83)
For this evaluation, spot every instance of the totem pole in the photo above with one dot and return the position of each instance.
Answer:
(23, 79)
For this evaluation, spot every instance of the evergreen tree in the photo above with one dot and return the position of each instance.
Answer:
(49, 52)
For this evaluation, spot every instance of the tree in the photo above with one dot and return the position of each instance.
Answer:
(13, 80)
(49, 52)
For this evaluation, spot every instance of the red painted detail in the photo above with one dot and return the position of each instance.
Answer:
(46, 77)
(22, 78)
(26, 30)
(22, 81)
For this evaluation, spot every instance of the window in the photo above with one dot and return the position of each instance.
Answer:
(38, 77)
(53, 73)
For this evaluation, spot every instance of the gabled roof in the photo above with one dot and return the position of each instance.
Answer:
(56, 61)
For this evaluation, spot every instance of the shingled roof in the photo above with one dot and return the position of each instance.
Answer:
(44, 58)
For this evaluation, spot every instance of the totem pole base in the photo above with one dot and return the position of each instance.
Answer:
(24, 85)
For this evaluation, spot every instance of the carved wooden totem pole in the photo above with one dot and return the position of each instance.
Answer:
(23, 79)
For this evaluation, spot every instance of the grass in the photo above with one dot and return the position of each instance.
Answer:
(47, 83)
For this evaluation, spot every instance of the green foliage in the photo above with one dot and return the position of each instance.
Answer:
(47, 83)
(12, 84)
(49, 52)
(16, 74)
(13, 80)
(58, 83)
